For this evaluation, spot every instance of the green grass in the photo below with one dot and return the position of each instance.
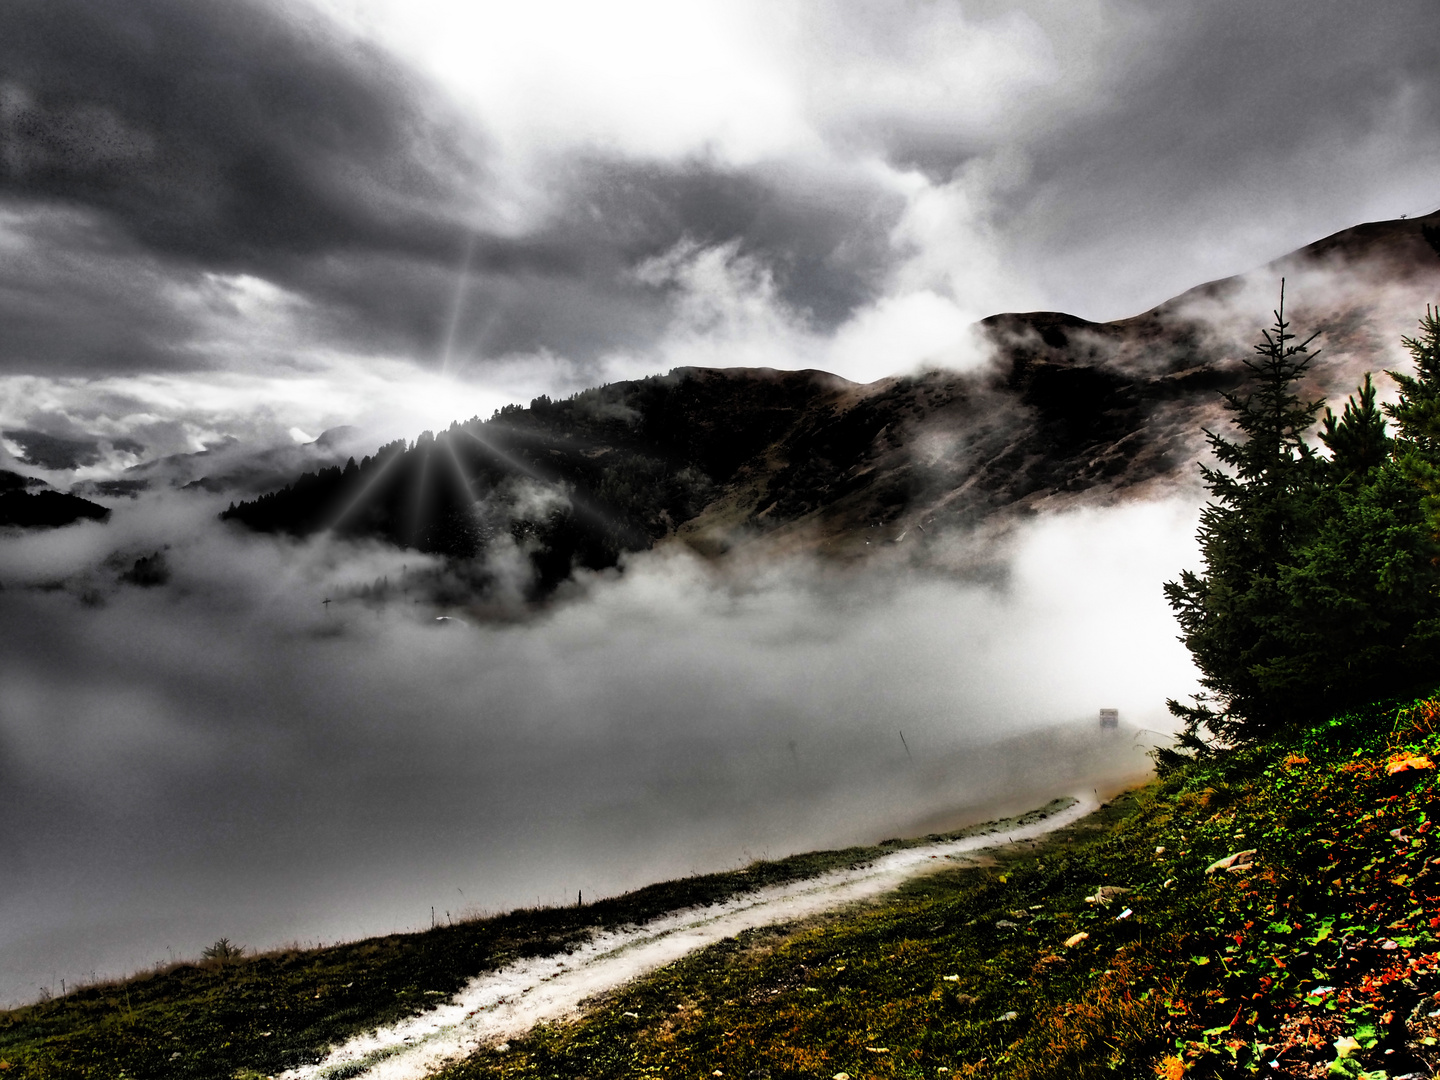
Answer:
(260, 1015)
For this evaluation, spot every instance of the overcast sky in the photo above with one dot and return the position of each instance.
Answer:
(244, 217)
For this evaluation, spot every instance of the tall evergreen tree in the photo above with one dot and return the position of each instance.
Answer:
(1359, 613)
(1261, 506)
(1417, 414)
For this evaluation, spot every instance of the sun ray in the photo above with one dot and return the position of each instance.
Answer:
(466, 480)
(365, 489)
(307, 556)
(509, 460)
(417, 515)
(457, 305)
(584, 508)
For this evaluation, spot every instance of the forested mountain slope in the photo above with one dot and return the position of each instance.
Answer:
(1063, 410)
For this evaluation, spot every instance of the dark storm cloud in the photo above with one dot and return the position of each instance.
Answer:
(48, 451)
(824, 237)
(1234, 127)
(1233, 89)
(568, 287)
(220, 132)
(147, 145)
(570, 297)
(1176, 97)
(52, 452)
(78, 296)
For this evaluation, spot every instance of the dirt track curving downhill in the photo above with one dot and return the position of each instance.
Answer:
(506, 1003)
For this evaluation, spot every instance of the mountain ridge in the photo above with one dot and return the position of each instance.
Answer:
(1067, 411)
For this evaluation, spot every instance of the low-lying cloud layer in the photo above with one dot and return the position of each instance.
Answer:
(224, 755)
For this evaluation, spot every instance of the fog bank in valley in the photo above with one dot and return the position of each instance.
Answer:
(227, 755)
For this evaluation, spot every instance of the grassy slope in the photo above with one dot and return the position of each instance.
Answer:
(1328, 936)
(264, 1014)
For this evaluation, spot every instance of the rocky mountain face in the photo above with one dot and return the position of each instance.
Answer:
(764, 462)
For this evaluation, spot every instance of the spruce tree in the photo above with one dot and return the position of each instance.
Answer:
(1359, 618)
(1262, 498)
(1417, 414)
(1356, 439)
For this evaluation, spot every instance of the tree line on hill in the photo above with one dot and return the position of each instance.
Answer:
(42, 509)
(572, 483)
(1320, 589)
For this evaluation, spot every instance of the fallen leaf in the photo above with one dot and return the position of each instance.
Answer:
(1345, 1046)
(1170, 1067)
(1405, 762)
